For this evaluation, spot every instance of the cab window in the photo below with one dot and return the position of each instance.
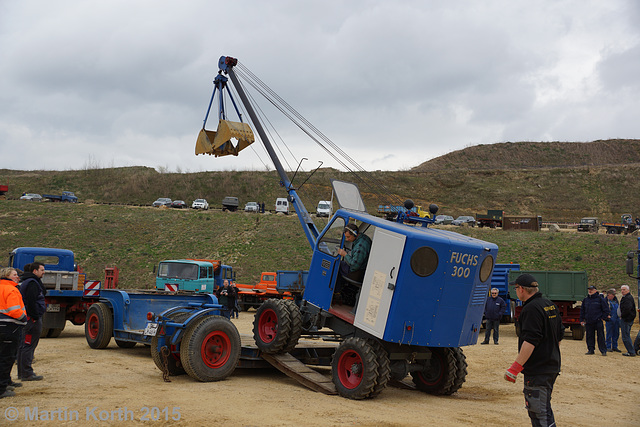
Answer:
(329, 242)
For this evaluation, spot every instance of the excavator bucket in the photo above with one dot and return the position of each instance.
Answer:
(219, 143)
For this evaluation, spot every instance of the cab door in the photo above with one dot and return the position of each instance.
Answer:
(325, 265)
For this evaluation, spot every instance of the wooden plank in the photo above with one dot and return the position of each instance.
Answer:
(300, 372)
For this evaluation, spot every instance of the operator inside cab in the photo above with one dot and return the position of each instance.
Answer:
(354, 263)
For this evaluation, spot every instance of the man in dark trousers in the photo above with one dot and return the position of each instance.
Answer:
(538, 356)
(33, 293)
(627, 316)
(493, 311)
(593, 311)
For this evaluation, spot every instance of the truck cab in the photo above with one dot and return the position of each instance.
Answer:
(192, 275)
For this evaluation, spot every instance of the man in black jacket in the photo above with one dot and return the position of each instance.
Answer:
(33, 293)
(493, 311)
(593, 311)
(627, 315)
(538, 358)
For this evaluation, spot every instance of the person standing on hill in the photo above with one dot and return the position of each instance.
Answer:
(33, 293)
(627, 316)
(13, 317)
(593, 311)
(613, 324)
(538, 358)
(493, 311)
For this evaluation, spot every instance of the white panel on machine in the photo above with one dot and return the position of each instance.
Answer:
(379, 280)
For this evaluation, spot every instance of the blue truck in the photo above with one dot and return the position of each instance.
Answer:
(500, 281)
(420, 300)
(202, 275)
(67, 298)
(67, 196)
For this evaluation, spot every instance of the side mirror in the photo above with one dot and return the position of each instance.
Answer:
(629, 265)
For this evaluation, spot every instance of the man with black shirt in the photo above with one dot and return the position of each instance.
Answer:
(33, 293)
(593, 311)
(538, 356)
(627, 315)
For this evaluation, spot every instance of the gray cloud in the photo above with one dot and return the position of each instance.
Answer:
(394, 84)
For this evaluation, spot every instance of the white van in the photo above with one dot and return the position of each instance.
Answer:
(324, 208)
(282, 205)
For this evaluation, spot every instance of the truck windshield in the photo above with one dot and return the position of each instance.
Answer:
(177, 270)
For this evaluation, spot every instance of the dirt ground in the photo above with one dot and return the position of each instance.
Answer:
(91, 387)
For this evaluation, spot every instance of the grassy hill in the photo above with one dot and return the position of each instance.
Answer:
(135, 239)
(560, 181)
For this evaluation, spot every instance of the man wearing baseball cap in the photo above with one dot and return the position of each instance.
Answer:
(538, 356)
(593, 311)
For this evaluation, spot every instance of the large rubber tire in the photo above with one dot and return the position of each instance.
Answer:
(125, 344)
(98, 328)
(54, 332)
(173, 364)
(577, 332)
(354, 369)
(272, 326)
(439, 372)
(612, 231)
(461, 370)
(384, 367)
(296, 325)
(210, 348)
(44, 332)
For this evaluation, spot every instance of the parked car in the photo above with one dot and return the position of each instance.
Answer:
(162, 201)
(464, 219)
(324, 208)
(252, 207)
(200, 204)
(230, 203)
(443, 219)
(179, 204)
(282, 205)
(33, 197)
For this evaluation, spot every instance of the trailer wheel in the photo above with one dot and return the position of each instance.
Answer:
(612, 231)
(98, 328)
(54, 332)
(210, 348)
(461, 370)
(174, 367)
(272, 326)
(354, 369)
(296, 325)
(125, 344)
(577, 332)
(439, 372)
(384, 367)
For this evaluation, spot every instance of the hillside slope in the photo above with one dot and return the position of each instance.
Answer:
(560, 181)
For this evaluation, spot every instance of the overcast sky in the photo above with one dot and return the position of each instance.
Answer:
(88, 84)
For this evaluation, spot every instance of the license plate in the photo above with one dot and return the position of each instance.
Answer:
(53, 308)
(151, 329)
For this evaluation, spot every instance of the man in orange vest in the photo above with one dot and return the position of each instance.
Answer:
(12, 318)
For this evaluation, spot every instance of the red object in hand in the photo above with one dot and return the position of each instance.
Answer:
(513, 372)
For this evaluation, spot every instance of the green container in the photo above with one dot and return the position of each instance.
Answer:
(558, 285)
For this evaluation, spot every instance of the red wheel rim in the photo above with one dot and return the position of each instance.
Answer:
(436, 376)
(268, 326)
(93, 326)
(215, 349)
(350, 369)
